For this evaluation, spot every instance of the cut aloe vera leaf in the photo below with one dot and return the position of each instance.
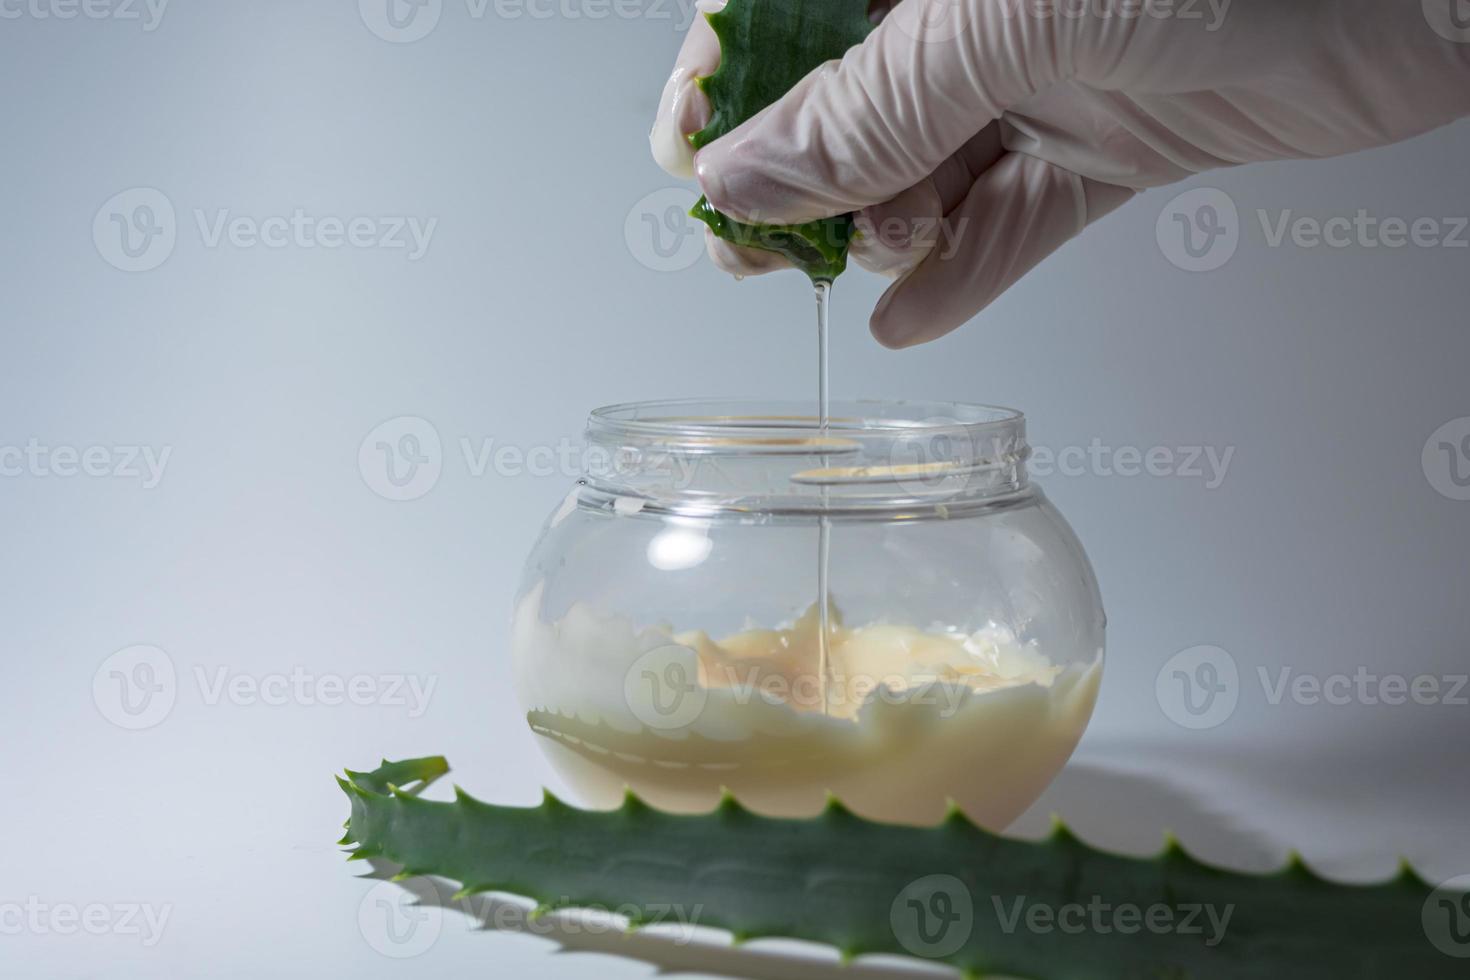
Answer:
(766, 47)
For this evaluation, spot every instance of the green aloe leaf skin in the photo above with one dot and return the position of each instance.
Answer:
(955, 893)
(818, 248)
(766, 47)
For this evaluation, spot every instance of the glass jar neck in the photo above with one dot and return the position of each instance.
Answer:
(700, 458)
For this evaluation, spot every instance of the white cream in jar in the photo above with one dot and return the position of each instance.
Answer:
(906, 720)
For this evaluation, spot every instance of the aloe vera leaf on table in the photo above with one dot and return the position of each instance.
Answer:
(953, 892)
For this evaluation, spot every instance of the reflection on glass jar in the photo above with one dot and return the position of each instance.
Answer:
(668, 634)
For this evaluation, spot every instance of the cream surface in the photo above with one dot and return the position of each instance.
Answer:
(906, 719)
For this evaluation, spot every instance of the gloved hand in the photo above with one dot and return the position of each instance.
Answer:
(975, 137)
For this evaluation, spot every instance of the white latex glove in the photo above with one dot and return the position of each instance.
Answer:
(975, 137)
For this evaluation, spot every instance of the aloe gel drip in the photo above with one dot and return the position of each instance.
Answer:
(824, 524)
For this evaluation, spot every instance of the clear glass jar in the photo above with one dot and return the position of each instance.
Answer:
(668, 635)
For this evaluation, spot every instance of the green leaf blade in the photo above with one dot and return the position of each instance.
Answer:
(842, 880)
(766, 47)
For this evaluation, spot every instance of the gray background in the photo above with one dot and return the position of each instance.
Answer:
(264, 548)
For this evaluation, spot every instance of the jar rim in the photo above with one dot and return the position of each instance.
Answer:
(772, 457)
(745, 426)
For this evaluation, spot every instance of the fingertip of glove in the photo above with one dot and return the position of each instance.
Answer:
(893, 343)
(889, 326)
(911, 312)
(730, 173)
(708, 164)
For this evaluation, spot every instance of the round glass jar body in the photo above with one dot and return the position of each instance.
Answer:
(669, 636)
